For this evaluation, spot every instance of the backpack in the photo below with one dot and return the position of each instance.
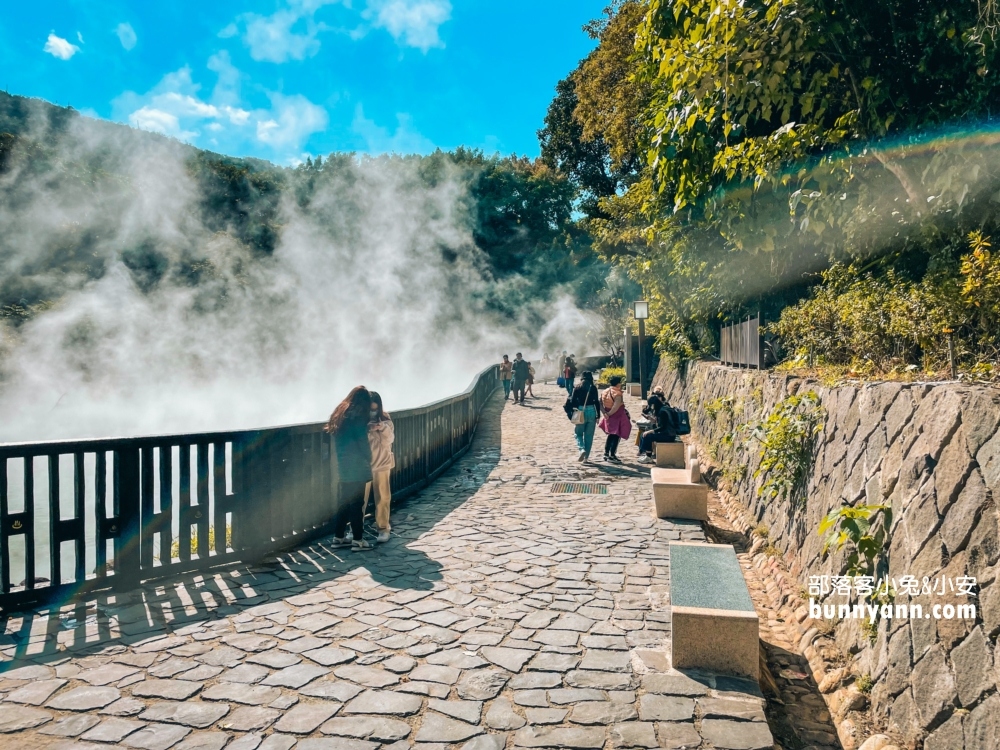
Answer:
(683, 422)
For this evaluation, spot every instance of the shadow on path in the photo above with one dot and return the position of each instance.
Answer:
(95, 623)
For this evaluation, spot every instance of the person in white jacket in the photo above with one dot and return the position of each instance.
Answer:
(381, 434)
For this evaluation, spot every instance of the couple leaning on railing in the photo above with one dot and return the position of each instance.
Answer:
(586, 402)
(362, 434)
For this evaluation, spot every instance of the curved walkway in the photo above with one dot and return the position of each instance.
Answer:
(500, 615)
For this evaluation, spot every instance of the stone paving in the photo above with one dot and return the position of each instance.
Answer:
(499, 615)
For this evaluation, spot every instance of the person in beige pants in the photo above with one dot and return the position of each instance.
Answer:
(381, 434)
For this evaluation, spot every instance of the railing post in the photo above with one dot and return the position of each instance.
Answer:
(127, 504)
(427, 446)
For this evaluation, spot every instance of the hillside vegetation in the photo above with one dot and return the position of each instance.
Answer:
(832, 164)
(518, 212)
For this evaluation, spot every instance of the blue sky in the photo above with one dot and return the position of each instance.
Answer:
(280, 79)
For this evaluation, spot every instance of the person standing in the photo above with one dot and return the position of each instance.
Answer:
(505, 375)
(616, 421)
(569, 372)
(584, 399)
(546, 367)
(531, 379)
(519, 369)
(381, 433)
(561, 368)
(348, 425)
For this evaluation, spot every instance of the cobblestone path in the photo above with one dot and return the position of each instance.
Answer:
(499, 615)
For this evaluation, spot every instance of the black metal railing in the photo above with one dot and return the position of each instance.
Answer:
(742, 345)
(108, 514)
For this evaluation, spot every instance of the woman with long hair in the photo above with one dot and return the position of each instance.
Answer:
(584, 400)
(349, 427)
(381, 433)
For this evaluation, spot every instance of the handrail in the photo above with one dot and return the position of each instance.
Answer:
(144, 508)
(9, 449)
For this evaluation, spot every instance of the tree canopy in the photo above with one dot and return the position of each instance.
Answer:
(777, 138)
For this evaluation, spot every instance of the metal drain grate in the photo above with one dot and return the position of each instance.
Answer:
(578, 488)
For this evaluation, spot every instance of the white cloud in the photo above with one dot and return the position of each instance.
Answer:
(414, 23)
(159, 121)
(290, 33)
(175, 107)
(126, 35)
(378, 139)
(227, 85)
(293, 33)
(292, 120)
(79, 37)
(59, 47)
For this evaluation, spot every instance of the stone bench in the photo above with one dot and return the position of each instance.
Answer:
(680, 493)
(671, 455)
(713, 622)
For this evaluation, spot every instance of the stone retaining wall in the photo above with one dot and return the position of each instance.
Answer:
(933, 452)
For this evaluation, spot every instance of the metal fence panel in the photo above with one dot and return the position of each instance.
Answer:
(742, 345)
(173, 504)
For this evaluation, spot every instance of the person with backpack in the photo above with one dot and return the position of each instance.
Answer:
(653, 403)
(581, 408)
(667, 426)
(616, 421)
(569, 373)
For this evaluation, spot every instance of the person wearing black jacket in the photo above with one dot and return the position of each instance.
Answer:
(349, 427)
(653, 403)
(585, 398)
(665, 432)
(521, 372)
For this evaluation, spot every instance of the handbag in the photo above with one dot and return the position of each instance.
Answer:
(579, 416)
(561, 381)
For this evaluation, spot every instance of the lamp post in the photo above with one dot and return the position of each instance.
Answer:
(641, 311)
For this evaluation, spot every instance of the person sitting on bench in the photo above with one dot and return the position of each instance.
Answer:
(665, 432)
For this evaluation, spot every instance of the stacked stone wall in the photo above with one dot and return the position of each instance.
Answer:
(931, 451)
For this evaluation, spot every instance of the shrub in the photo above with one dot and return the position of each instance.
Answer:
(876, 324)
(787, 438)
(609, 372)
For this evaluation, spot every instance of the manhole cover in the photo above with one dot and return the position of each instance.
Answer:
(578, 488)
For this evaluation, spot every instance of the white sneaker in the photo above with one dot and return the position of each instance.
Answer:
(646, 459)
(383, 536)
(583, 456)
(339, 543)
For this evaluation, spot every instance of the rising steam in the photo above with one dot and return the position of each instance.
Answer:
(376, 281)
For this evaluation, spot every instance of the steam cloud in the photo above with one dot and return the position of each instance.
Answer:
(378, 282)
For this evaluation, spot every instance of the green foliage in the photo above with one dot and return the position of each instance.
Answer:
(867, 539)
(787, 439)
(785, 136)
(519, 211)
(723, 405)
(887, 324)
(175, 548)
(865, 683)
(609, 372)
(859, 529)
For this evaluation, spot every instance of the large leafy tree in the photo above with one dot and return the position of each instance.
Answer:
(782, 135)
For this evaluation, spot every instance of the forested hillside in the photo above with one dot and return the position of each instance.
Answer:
(147, 286)
(833, 165)
(518, 211)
